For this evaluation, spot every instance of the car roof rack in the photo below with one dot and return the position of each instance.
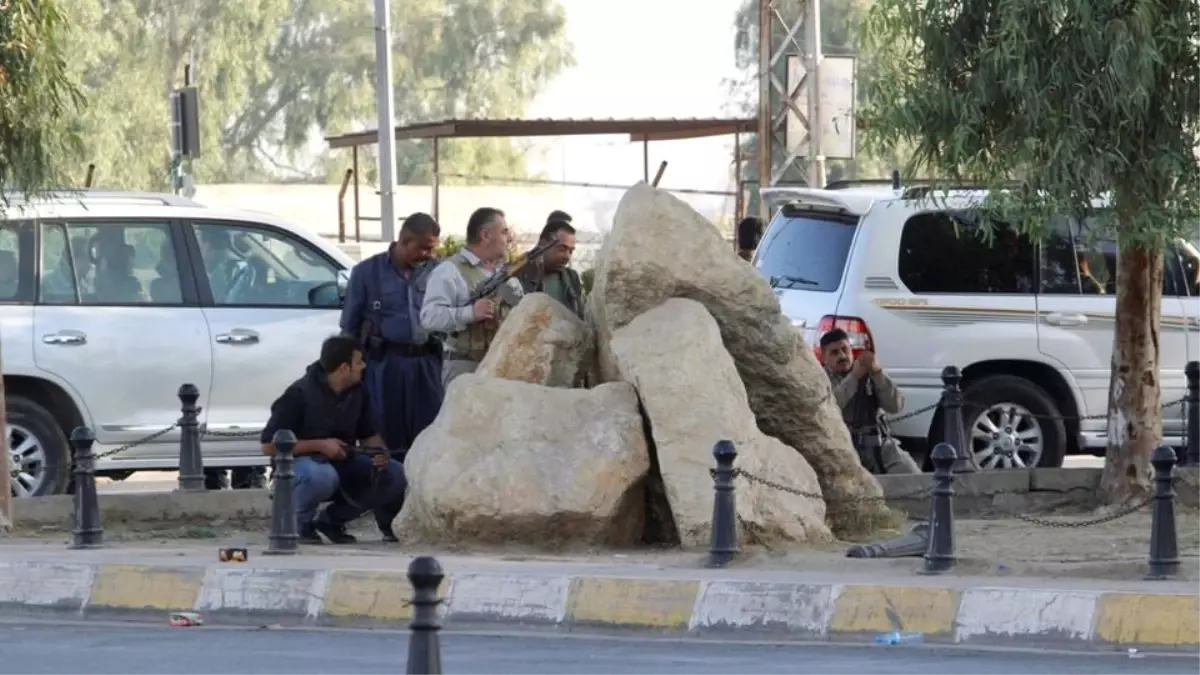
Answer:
(87, 196)
(920, 191)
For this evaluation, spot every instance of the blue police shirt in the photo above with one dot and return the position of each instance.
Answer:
(381, 292)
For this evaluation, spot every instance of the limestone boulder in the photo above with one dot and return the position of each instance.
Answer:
(541, 342)
(513, 462)
(660, 248)
(692, 396)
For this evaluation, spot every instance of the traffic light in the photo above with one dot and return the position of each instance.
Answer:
(185, 122)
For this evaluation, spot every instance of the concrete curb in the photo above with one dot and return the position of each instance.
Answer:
(235, 594)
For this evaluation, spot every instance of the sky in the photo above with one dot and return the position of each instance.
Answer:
(641, 58)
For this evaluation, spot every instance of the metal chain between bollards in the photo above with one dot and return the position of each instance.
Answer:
(1070, 418)
(141, 441)
(908, 415)
(166, 430)
(1069, 524)
(816, 495)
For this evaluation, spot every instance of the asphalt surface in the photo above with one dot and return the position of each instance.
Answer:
(115, 648)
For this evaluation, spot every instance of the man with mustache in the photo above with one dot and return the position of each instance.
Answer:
(864, 393)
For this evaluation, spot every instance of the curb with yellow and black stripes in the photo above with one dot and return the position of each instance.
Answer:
(1062, 619)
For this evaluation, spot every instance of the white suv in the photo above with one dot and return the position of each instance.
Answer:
(1030, 325)
(109, 301)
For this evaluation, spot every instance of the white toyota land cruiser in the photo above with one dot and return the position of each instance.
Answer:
(109, 301)
(1030, 325)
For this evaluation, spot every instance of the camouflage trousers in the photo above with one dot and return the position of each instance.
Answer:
(887, 458)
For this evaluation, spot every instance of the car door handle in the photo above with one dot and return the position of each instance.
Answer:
(1066, 319)
(238, 337)
(65, 338)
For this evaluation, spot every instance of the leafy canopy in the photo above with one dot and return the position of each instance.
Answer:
(1071, 99)
(37, 98)
(276, 75)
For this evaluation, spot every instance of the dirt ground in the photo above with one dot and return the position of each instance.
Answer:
(1000, 547)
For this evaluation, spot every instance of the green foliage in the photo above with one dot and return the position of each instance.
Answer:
(276, 75)
(1071, 99)
(587, 279)
(449, 246)
(38, 99)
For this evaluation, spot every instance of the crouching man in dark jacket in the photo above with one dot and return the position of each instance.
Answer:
(328, 411)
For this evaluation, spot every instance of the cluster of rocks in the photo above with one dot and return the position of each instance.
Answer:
(684, 345)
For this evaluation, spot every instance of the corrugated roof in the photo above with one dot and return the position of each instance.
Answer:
(651, 129)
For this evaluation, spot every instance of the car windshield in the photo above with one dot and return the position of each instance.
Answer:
(806, 252)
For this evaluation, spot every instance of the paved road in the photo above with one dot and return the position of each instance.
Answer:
(106, 648)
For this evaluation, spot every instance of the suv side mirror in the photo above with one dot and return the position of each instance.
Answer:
(325, 296)
(343, 282)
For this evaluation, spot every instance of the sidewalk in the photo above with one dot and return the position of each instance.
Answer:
(668, 593)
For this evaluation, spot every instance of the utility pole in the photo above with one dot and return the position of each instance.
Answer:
(782, 40)
(387, 123)
(816, 130)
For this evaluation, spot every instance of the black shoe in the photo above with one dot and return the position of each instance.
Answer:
(308, 535)
(334, 532)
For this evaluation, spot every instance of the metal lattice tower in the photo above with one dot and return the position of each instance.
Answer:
(788, 30)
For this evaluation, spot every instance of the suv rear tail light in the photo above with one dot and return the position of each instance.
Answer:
(856, 329)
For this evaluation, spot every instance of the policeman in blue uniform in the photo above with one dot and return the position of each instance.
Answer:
(383, 310)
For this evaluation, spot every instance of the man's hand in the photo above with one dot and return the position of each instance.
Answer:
(865, 364)
(484, 309)
(333, 449)
(379, 460)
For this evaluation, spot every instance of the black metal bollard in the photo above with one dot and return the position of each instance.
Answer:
(954, 428)
(1192, 454)
(191, 465)
(939, 557)
(723, 546)
(911, 545)
(284, 539)
(86, 531)
(1164, 543)
(424, 648)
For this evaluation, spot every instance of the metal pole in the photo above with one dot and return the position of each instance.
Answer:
(815, 114)
(437, 178)
(387, 124)
(764, 103)
(357, 215)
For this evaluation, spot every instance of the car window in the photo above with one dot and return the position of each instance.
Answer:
(110, 263)
(249, 265)
(944, 252)
(1060, 262)
(1098, 264)
(1189, 268)
(16, 262)
(806, 252)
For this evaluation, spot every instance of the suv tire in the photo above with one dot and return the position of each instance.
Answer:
(33, 418)
(994, 389)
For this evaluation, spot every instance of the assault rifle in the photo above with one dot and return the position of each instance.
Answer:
(508, 271)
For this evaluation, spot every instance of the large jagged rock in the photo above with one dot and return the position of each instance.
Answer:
(693, 397)
(512, 462)
(541, 342)
(660, 248)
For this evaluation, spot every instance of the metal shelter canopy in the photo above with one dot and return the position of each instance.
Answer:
(639, 130)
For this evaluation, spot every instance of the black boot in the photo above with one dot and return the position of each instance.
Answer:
(334, 532)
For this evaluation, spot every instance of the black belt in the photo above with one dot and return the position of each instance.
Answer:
(410, 349)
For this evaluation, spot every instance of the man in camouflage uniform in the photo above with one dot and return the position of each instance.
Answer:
(470, 327)
(550, 273)
(864, 393)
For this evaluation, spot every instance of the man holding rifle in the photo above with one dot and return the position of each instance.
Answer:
(339, 454)
(472, 291)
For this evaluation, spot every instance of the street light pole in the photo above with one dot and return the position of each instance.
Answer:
(387, 124)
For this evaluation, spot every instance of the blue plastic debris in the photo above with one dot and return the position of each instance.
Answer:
(899, 638)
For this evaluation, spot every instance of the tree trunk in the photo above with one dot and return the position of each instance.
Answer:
(1135, 416)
